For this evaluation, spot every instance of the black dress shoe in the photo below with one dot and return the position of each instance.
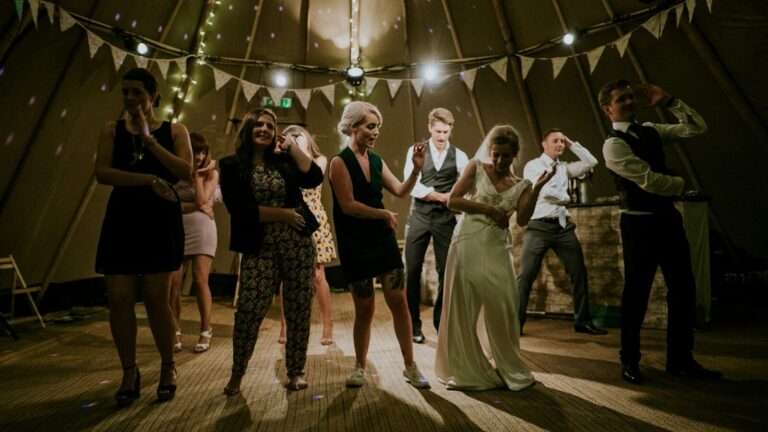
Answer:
(418, 337)
(631, 374)
(589, 328)
(692, 369)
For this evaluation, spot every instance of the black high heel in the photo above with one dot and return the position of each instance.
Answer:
(166, 392)
(125, 398)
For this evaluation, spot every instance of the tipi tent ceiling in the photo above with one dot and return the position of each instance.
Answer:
(57, 95)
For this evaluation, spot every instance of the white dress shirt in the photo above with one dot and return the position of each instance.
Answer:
(438, 157)
(554, 195)
(620, 159)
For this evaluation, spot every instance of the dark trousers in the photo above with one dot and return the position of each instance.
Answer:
(539, 237)
(650, 241)
(438, 225)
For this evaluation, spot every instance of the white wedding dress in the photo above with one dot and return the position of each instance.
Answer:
(478, 345)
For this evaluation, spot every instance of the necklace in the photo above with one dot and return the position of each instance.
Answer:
(138, 150)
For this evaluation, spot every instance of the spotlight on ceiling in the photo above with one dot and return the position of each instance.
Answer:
(142, 48)
(568, 38)
(355, 75)
(280, 79)
(131, 42)
(430, 73)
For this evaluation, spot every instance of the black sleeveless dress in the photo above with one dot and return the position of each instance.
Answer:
(367, 247)
(141, 233)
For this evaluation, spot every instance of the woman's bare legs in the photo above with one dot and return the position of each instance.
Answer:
(177, 280)
(363, 298)
(157, 287)
(283, 327)
(323, 294)
(393, 285)
(121, 293)
(201, 269)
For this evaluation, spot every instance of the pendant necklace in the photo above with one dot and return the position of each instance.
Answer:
(138, 150)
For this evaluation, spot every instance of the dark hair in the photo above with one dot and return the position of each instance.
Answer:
(504, 135)
(549, 132)
(199, 145)
(244, 150)
(147, 79)
(604, 96)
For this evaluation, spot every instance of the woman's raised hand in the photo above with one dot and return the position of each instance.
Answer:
(545, 177)
(418, 156)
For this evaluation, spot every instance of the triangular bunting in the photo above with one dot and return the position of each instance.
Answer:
(418, 85)
(163, 65)
(500, 67)
(303, 95)
(94, 43)
(50, 8)
(249, 89)
(652, 25)
(678, 13)
(691, 5)
(276, 93)
(469, 77)
(663, 21)
(65, 20)
(141, 61)
(709, 5)
(330, 92)
(557, 65)
(181, 63)
(594, 56)
(526, 63)
(370, 83)
(622, 43)
(34, 9)
(19, 8)
(394, 86)
(118, 56)
(220, 77)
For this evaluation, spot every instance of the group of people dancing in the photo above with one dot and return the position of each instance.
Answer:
(161, 211)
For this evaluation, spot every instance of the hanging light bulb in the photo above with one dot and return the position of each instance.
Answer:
(569, 38)
(355, 75)
(430, 72)
(280, 79)
(142, 48)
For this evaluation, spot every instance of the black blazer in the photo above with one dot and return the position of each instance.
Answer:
(246, 231)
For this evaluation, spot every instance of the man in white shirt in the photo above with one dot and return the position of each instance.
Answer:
(652, 231)
(551, 228)
(429, 217)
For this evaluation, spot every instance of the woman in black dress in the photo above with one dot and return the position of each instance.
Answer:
(142, 237)
(261, 189)
(365, 232)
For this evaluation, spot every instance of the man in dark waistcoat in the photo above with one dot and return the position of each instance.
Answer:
(429, 217)
(652, 232)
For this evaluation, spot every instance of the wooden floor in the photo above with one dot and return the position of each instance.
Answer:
(64, 378)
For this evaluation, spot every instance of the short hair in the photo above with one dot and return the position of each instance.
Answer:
(199, 145)
(504, 135)
(354, 113)
(549, 132)
(604, 96)
(314, 149)
(441, 115)
(147, 80)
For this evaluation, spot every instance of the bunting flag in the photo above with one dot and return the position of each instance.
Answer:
(663, 21)
(276, 93)
(394, 86)
(709, 5)
(469, 77)
(303, 95)
(691, 5)
(370, 83)
(50, 8)
(622, 43)
(118, 56)
(330, 92)
(220, 77)
(94, 43)
(418, 85)
(500, 67)
(181, 63)
(65, 20)
(163, 65)
(34, 10)
(679, 13)
(141, 61)
(594, 56)
(653, 26)
(249, 89)
(526, 63)
(19, 8)
(557, 65)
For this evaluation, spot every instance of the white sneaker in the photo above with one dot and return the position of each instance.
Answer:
(414, 376)
(357, 377)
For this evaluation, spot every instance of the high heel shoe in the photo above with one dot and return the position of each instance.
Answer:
(203, 347)
(125, 398)
(166, 392)
(177, 345)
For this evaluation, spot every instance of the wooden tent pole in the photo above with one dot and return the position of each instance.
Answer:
(411, 110)
(596, 112)
(244, 69)
(11, 34)
(86, 198)
(459, 54)
(522, 89)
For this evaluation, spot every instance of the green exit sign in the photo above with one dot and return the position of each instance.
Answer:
(284, 102)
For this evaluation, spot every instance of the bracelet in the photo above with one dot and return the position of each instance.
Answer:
(155, 179)
(149, 141)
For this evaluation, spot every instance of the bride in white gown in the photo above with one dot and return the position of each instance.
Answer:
(478, 345)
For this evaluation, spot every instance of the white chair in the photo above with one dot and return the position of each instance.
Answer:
(19, 286)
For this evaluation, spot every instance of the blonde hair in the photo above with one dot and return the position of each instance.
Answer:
(314, 149)
(354, 113)
(440, 115)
